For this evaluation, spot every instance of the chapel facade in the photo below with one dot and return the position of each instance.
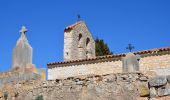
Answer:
(78, 42)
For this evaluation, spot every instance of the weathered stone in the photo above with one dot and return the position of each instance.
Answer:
(157, 81)
(78, 42)
(79, 83)
(22, 53)
(77, 89)
(168, 78)
(110, 79)
(74, 89)
(153, 92)
(160, 98)
(143, 78)
(143, 90)
(164, 91)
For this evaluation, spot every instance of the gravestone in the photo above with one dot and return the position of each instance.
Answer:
(130, 62)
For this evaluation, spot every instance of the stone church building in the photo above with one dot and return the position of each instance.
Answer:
(78, 42)
(80, 59)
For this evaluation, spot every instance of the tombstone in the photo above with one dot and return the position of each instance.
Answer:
(130, 62)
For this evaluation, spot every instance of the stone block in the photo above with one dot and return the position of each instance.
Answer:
(153, 92)
(143, 91)
(163, 91)
(168, 78)
(157, 81)
(143, 78)
(150, 74)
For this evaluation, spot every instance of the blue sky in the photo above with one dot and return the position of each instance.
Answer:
(144, 23)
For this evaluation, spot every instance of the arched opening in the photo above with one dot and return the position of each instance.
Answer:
(80, 36)
(87, 41)
(80, 41)
(88, 49)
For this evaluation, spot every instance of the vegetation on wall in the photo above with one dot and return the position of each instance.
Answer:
(102, 48)
(40, 97)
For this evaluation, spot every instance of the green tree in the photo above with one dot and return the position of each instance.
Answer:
(40, 97)
(102, 48)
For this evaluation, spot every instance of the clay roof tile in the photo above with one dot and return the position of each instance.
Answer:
(73, 25)
(112, 56)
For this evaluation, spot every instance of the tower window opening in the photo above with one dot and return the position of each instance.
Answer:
(80, 36)
(87, 41)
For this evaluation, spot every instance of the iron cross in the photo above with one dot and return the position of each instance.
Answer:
(79, 17)
(130, 47)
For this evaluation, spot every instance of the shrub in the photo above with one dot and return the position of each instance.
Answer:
(40, 97)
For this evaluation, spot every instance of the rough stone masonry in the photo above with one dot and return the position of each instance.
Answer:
(154, 61)
(78, 42)
(99, 78)
(79, 57)
(122, 86)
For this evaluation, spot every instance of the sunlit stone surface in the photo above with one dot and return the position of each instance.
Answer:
(22, 53)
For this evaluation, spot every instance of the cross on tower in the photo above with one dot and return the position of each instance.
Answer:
(79, 17)
(23, 30)
(130, 47)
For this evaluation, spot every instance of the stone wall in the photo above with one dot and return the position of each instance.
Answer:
(155, 63)
(19, 77)
(29, 73)
(124, 86)
(100, 68)
(92, 87)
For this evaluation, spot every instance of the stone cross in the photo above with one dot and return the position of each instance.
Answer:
(130, 47)
(22, 52)
(23, 30)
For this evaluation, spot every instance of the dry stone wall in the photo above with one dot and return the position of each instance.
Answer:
(125, 86)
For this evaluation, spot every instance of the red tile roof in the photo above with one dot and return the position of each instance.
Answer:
(151, 51)
(72, 26)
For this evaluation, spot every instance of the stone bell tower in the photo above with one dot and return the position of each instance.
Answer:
(22, 52)
(78, 42)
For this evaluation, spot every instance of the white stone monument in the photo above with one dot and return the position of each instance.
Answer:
(130, 62)
(22, 52)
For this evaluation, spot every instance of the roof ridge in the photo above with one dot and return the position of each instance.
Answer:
(72, 25)
(150, 51)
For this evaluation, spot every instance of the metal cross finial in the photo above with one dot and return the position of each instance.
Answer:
(23, 29)
(130, 47)
(79, 17)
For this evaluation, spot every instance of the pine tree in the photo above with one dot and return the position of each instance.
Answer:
(102, 48)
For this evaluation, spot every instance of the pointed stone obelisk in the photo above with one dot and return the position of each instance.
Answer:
(22, 53)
